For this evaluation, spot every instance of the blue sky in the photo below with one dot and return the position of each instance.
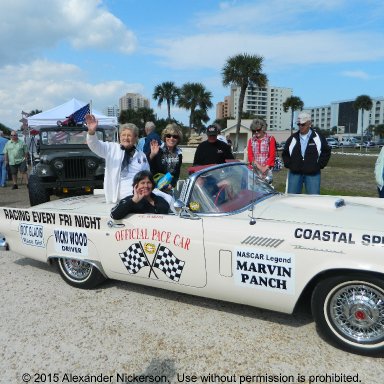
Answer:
(53, 50)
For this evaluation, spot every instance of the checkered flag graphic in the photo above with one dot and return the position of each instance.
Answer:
(168, 263)
(134, 258)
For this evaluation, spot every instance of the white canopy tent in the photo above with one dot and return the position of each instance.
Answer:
(61, 112)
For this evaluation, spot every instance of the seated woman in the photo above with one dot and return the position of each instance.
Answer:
(143, 199)
(168, 157)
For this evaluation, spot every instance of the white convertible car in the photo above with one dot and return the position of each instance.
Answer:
(233, 238)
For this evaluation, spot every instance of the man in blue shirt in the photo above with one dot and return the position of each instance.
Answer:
(3, 168)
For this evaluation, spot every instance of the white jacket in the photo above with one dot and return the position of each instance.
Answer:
(379, 169)
(113, 156)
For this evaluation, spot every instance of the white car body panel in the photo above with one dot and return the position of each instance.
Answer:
(268, 264)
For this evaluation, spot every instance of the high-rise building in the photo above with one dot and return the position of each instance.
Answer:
(223, 108)
(112, 110)
(133, 101)
(345, 117)
(266, 103)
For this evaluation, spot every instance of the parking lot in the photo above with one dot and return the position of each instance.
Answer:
(121, 330)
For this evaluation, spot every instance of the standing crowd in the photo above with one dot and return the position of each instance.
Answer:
(141, 175)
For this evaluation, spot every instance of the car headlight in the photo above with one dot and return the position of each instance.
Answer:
(91, 164)
(58, 164)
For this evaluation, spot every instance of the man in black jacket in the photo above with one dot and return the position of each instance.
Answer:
(305, 153)
(212, 151)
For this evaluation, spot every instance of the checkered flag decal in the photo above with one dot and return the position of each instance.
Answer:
(167, 262)
(134, 258)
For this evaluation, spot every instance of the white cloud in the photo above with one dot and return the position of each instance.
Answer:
(356, 74)
(28, 27)
(291, 48)
(44, 85)
(253, 15)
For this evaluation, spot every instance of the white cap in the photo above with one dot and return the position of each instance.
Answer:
(303, 117)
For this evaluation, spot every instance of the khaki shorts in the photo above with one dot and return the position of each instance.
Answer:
(22, 167)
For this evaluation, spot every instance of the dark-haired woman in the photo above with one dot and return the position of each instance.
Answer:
(143, 199)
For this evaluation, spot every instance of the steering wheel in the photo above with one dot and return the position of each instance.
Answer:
(220, 191)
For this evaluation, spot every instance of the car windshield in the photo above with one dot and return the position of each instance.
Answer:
(65, 137)
(227, 188)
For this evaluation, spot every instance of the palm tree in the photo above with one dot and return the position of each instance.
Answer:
(194, 96)
(199, 117)
(294, 103)
(166, 91)
(243, 70)
(364, 103)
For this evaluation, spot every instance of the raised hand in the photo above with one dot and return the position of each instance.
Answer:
(92, 123)
(154, 148)
(138, 194)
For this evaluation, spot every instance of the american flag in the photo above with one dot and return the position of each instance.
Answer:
(76, 117)
(79, 115)
(168, 263)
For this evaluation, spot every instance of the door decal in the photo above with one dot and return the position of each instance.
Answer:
(135, 258)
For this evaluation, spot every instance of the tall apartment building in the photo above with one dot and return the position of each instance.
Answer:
(344, 116)
(133, 101)
(112, 110)
(321, 116)
(223, 108)
(266, 103)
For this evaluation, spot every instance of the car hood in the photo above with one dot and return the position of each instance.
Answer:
(88, 205)
(343, 212)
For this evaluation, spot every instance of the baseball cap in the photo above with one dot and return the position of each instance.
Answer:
(303, 117)
(212, 130)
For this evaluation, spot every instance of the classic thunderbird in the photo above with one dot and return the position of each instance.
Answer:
(230, 237)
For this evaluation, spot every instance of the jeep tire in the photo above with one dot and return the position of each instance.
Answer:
(37, 193)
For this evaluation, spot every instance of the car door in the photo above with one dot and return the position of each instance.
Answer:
(165, 248)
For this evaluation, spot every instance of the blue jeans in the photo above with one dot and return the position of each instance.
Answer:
(3, 171)
(297, 180)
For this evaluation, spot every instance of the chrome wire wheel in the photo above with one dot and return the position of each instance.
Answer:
(80, 274)
(356, 310)
(76, 270)
(349, 311)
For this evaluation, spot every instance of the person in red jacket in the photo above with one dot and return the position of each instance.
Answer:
(261, 150)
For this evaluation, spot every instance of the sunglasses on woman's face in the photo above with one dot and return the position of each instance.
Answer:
(168, 136)
(256, 130)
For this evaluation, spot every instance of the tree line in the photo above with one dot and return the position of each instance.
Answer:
(242, 70)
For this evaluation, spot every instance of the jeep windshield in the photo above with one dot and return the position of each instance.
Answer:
(70, 136)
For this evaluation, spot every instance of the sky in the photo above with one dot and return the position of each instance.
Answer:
(54, 50)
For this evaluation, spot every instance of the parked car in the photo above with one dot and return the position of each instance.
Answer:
(233, 238)
(380, 143)
(332, 142)
(350, 142)
(369, 144)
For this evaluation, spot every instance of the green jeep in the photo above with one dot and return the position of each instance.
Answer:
(65, 165)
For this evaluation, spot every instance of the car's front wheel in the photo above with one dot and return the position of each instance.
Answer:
(79, 273)
(350, 311)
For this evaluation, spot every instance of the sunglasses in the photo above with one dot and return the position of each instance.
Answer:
(168, 136)
(301, 124)
(13, 135)
(257, 130)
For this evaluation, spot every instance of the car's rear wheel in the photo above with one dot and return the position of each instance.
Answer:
(350, 311)
(79, 273)
(38, 194)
